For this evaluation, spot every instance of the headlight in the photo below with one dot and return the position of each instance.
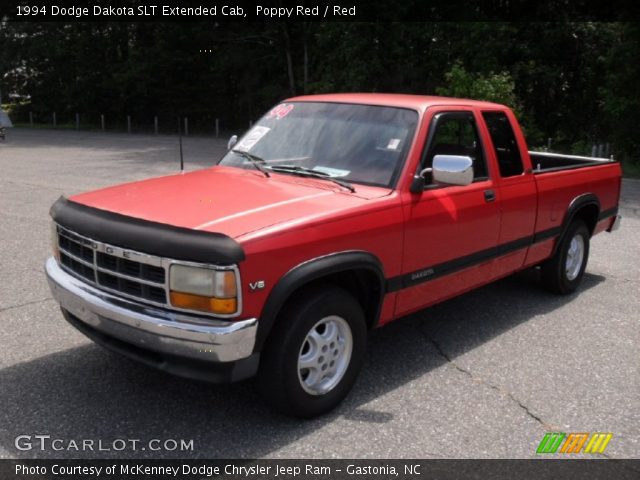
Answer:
(204, 289)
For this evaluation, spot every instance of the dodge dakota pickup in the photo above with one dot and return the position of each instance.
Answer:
(333, 215)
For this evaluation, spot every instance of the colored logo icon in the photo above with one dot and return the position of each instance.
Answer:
(558, 442)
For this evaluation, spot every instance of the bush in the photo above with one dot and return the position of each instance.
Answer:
(495, 87)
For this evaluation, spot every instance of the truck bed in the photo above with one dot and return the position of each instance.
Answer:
(549, 162)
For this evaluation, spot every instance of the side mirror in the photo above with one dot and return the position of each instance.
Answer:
(452, 169)
(232, 141)
(417, 186)
(447, 169)
(420, 180)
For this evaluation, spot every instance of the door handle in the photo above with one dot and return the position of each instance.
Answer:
(489, 195)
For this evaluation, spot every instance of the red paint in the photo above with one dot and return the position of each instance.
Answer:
(284, 220)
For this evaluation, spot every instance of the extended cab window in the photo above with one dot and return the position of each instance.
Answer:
(504, 143)
(456, 134)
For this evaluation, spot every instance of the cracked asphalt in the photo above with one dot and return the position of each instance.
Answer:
(481, 376)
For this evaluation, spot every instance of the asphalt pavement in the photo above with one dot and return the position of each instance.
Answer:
(485, 375)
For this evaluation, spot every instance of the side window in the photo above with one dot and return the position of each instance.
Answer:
(456, 134)
(504, 142)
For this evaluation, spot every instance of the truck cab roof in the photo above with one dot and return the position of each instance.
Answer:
(414, 102)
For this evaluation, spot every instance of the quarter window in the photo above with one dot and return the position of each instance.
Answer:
(504, 143)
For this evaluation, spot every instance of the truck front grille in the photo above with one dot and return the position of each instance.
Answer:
(131, 274)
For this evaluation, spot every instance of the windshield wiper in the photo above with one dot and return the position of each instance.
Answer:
(255, 160)
(310, 172)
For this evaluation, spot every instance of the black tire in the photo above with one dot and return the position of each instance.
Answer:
(554, 271)
(279, 380)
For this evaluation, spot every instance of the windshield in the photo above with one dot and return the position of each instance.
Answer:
(356, 143)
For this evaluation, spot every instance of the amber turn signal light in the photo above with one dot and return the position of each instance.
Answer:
(226, 306)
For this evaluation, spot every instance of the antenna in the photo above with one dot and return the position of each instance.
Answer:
(180, 143)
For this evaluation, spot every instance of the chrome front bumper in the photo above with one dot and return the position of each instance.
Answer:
(149, 328)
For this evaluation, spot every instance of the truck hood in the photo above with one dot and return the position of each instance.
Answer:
(227, 200)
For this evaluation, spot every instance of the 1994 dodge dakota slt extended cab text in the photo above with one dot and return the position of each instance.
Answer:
(333, 215)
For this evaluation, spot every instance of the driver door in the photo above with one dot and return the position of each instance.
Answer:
(451, 232)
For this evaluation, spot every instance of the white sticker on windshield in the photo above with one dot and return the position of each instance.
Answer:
(251, 138)
(333, 172)
(393, 144)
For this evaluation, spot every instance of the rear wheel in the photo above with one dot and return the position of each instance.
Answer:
(563, 272)
(314, 354)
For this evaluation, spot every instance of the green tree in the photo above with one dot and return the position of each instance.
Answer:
(574, 82)
(621, 92)
(493, 87)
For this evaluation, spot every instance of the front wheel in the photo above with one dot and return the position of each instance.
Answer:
(314, 353)
(563, 272)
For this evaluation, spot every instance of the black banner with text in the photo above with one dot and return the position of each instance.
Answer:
(320, 10)
(377, 469)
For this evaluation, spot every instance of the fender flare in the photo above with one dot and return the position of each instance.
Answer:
(575, 206)
(309, 271)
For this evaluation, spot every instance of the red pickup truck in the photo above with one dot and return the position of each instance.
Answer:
(333, 215)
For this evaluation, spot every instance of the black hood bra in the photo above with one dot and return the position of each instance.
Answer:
(145, 236)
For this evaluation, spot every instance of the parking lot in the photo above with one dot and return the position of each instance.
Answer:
(481, 376)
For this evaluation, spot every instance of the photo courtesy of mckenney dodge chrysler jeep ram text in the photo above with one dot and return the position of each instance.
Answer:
(333, 215)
